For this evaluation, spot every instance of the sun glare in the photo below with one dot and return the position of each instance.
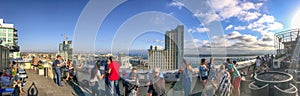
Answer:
(295, 23)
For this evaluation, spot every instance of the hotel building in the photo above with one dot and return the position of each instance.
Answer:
(9, 39)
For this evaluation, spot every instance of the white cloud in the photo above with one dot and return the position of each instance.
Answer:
(240, 28)
(266, 19)
(248, 6)
(220, 4)
(265, 24)
(243, 10)
(235, 43)
(275, 26)
(229, 27)
(230, 11)
(248, 16)
(259, 5)
(158, 41)
(233, 34)
(207, 17)
(199, 29)
(176, 4)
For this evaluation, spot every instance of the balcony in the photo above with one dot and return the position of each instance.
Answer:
(16, 34)
(15, 48)
(15, 38)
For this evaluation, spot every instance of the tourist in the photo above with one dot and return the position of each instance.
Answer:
(57, 67)
(257, 64)
(18, 83)
(185, 74)
(203, 74)
(235, 77)
(5, 80)
(107, 83)
(113, 76)
(265, 68)
(132, 82)
(67, 69)
(95, 76)
(224, 82)
(5, 74)
(156, 84)
(35, 63)
(14, 69)
(235, 63)
(212, 74)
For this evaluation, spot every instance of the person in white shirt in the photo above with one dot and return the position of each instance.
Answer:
(95, 76)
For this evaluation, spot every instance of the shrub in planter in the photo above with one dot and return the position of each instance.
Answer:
(41, 70)
(41, 67)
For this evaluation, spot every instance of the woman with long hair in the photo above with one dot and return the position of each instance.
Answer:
(203, 74)
(95, 75)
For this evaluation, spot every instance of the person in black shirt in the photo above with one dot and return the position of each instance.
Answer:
(107, 83)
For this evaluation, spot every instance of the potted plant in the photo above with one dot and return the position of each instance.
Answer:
(41, 70)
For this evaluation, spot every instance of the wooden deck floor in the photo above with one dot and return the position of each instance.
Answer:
(47, 86)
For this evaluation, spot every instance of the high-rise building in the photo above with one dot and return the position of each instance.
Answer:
(65, 50)
(9, 39)
(171, 57)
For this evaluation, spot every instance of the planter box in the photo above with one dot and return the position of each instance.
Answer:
(41, 71)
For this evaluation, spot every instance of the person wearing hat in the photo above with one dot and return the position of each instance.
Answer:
(156, 84)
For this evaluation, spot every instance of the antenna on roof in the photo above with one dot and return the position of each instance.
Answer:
(65, 37)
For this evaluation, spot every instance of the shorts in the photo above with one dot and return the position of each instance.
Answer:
(35, 65)
(204, 78)
(237, 82)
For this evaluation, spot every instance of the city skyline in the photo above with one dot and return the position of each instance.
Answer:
(246, 25)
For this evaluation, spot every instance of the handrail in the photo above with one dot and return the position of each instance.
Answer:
(288, 90)
(254, 87)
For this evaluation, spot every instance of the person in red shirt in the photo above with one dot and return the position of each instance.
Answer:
(113, 77)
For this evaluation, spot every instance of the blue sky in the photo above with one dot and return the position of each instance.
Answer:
(247, 25)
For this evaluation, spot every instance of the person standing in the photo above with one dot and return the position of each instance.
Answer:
(212, 74)
(106, 74)
(95, 76)
(186, 77)
(257, 65)
(113, 76)
(35, 63)
(67, 69)
(203, 74)
(57, 67)
(235, 76)
(156, 84)
(224, 82)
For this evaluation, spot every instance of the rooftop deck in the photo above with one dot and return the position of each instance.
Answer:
(47, 86)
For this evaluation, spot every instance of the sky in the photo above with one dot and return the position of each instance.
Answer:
(236, 26)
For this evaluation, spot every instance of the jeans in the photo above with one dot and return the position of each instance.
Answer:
(113, 87)
(58, 76)
(95, 88)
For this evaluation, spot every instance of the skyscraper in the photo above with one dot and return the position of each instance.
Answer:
(171, 57)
